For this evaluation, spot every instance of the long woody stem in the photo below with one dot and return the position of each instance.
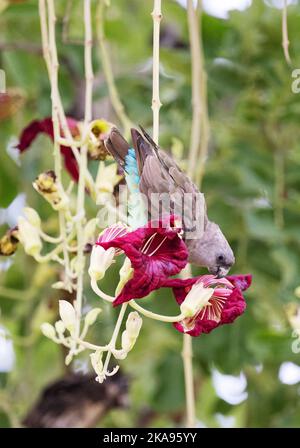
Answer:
(285, 36)
(156, 104)
(83, 158)
(187, 357)
(108, 72)
(200, 125)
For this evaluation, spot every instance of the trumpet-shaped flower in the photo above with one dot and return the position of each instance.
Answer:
(223, 303)
(101, 258)
(45, 126)
(156, 252)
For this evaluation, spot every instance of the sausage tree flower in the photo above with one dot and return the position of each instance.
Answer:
(45, 126)
(156, 252)
(101, 258)
(222, 303)
(96, 149)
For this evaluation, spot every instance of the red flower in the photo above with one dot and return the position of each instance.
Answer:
(156, 252)
(223, 307)
(45, 126)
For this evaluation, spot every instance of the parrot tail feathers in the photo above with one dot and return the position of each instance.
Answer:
(117, 146)
(142, 148)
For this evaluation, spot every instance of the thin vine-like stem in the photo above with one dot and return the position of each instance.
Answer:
(53, 67)
(108, 72)
(136, 306)
(200, 126)
(113, 340)
(88, 41)
(194, 32)
(187, 357)
(67, 140)
(285, 36)
(100, 293)
(156, 103)
(155, 316)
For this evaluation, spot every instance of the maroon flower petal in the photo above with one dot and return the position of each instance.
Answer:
(234, 304)
(156, 252)
(242, 282)
(45, 126)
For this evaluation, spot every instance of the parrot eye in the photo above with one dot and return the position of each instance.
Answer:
(220, 258)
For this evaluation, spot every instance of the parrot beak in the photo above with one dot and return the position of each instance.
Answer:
(219, 271)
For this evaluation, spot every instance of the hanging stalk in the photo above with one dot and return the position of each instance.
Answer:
(285, 36)
(50, 55)
(156, 104)
(108, 73)
(88, 42)
(200, 126)
(196, 163)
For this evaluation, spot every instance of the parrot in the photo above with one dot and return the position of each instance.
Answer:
(158, 173)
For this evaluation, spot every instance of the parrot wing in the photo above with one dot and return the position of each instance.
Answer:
(160, 174)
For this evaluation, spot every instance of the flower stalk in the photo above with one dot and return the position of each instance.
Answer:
(107, 70)
(156, 103)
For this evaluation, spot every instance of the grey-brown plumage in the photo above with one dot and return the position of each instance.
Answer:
(169, 190)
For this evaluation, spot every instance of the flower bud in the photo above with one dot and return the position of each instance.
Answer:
(29, 237)
(9, 242)
(96, 360)
(48, 330)
(32, 217)
(107, 178)
(133, 324)
(67, 314)
(196, 299)
(47, 185)
(91, 316)
(100, 261)
(297, 292)
(126, 342)
(126, 273)
(98, 133)
(130, 335)
(60, 327)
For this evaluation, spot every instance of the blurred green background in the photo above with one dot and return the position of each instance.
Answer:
(252, 188)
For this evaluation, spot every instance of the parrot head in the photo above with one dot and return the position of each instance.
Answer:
(212, 250)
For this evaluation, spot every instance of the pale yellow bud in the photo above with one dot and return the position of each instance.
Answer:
(60, 327)
(107, 177)
(126, 342)
(29, 237)
(126, 273)
(100, 261)
(133, 327)
(32, 217)
(196, 299)
(48, 330)
(67, 314)
(91, 316)
(133, 324)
